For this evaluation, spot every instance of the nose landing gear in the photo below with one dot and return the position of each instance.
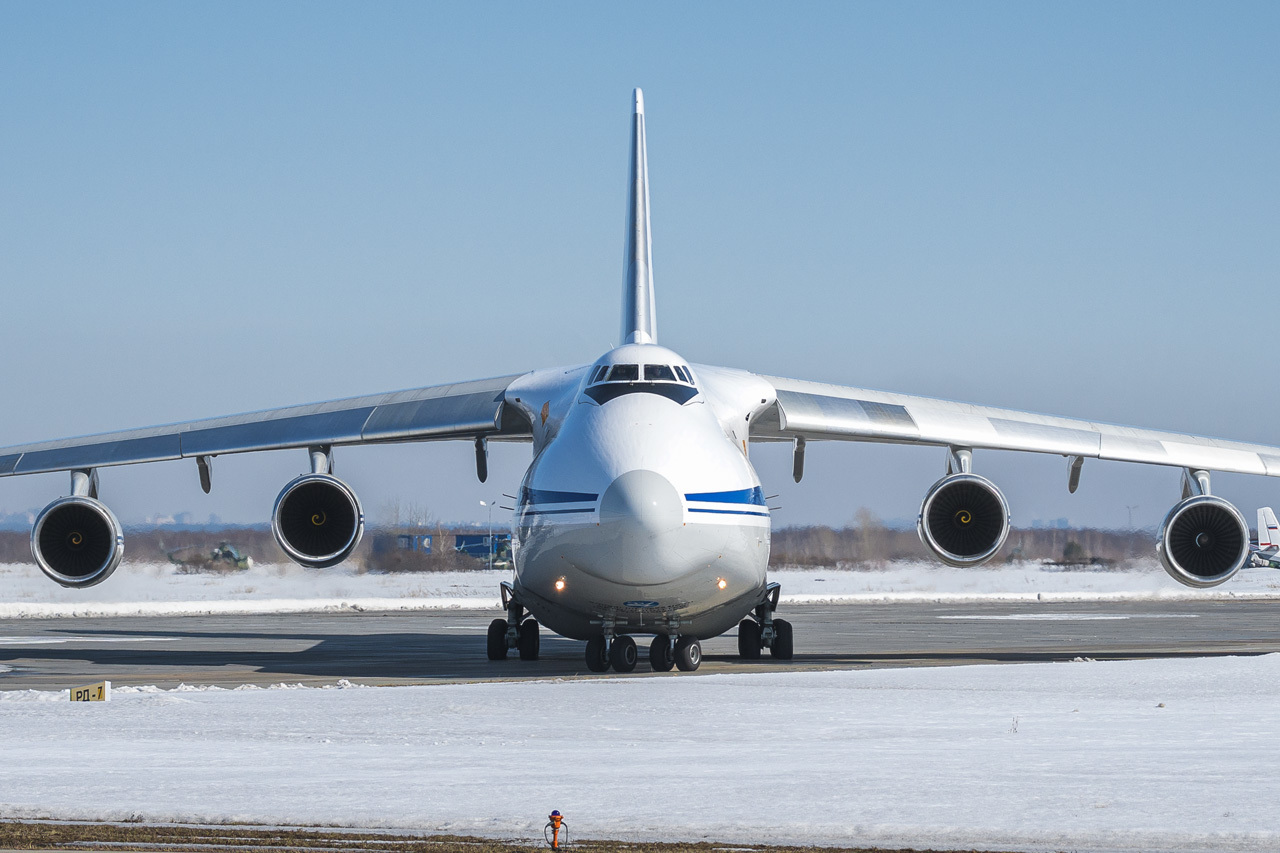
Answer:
(598, 654)
(661, 655)
(619, 652)
(622, 654)
(688, 654)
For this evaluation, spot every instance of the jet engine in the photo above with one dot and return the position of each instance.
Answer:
(77, 541)
(1203, 541)
(964, 520)
(317, 520)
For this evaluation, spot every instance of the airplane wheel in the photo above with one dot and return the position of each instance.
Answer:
(623, 654)
(749, 639)
(688, 654)
(597, 658)
(529, 640)
(782, 647)
(497, 646)
(660, 654)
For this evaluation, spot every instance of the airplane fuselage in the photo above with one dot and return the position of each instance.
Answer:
(641, 507)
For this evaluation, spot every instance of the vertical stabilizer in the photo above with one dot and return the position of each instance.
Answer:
(639, 324)
(1268, 529)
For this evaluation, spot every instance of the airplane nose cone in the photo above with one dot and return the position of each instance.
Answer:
(645, 512)
(644, 501)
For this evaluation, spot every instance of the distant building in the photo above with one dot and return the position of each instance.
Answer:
(1051, 524)
(479, 545)
(419, 543)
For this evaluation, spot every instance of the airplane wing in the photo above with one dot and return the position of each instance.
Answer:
(459, 410)
(817, 411)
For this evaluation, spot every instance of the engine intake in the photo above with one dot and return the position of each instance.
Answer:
(317, 520)
(964, 520)
(1203, 541)
(77, 541)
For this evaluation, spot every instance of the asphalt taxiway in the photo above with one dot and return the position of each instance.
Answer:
(448, 645)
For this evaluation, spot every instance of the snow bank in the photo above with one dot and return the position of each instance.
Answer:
(160, 590)
(1016, 582)
(1137, 755)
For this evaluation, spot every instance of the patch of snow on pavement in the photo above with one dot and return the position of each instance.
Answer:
(1134, 755)
(160, 590)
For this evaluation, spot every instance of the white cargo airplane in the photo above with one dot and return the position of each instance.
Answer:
(640, 513)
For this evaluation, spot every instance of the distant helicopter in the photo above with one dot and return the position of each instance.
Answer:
(222, 559)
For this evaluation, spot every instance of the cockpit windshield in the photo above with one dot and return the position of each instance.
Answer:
(671, 381)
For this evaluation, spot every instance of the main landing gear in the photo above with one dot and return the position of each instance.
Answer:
(761, 630)
(619, 652)
(512, 633)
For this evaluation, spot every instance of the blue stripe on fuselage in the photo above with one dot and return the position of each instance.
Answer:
(730, 511)
(547, 496)
(557, 511)
(755, 497)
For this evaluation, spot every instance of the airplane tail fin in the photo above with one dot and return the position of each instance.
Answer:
(1268, 528)
(639, 323)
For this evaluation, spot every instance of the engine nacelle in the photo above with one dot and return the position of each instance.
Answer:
(964, 520)
(1203, 541)
(317, 520)
(77, 541)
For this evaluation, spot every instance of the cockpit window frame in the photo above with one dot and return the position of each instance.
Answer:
(617, 369)
(651, 369)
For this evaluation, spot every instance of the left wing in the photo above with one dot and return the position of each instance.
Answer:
(458, 410)
(318, 521)
(813, 410)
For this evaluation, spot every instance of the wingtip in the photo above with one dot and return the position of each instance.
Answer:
(639, 102)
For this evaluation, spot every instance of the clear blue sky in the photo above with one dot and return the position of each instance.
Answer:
(207, 209)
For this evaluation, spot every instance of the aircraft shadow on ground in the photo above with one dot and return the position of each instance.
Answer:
(431, 656)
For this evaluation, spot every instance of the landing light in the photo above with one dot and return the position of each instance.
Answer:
(560, 585)
(721, 582)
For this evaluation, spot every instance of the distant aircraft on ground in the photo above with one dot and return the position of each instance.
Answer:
(640, 513)
(1266, 553)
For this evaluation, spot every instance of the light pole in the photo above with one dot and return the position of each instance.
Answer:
(489, 506)
(1131, 509)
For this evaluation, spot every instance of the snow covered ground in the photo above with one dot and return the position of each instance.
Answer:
(1138, 755)
(157, 589)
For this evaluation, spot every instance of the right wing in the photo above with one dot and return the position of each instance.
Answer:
(458, 410)
(817, 411)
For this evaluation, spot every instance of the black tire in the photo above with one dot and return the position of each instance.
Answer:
(497, 646)
(749, 639)
(660, 654)
(622, 654)
(529, 640)
(782, 648)
(597, 658)
(688, 654)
